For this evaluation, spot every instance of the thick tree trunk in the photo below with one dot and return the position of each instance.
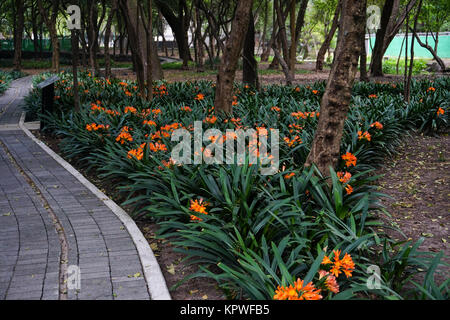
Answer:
(228, 65)
(325, 149)
(18, 35)
(326, 43)
(250, 65)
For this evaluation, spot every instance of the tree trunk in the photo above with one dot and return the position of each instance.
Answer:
(328, 38)
(411, 64)
(376, 65)
(107, 35)
(432, 51)
(75, 53)
(250, 65)
(18, 35)
(325, 149)
(228, 65)
(363, 58)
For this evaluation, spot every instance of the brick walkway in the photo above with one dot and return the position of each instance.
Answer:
(50, 222)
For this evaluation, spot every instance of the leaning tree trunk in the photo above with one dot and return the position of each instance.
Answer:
(432, 51)
(18, 35)
(232, 51)
(326, 44)
(325, 149)
(250, 65)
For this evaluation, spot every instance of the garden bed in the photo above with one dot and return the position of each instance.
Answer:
(255, 235)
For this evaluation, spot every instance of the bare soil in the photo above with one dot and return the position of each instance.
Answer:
(417, 179)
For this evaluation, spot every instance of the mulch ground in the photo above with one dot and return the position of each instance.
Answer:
(417, 179)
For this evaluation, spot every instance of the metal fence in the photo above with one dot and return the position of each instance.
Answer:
(28, 44)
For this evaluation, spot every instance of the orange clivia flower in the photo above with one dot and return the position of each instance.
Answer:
(330, 281)
(199, 97)
(186, 108)
(290, 175)
(366, 135)
(373, 96)
(344, 177)
(349, 189)
(440, 111)
(275, 108)
(198, 206)
(377, 125)
(210, 120)
(346, 264)
(124, 135)
(315, 91)
(431, 89)
(130, 109)
(298, 292)
(149, 122)
(350, 159)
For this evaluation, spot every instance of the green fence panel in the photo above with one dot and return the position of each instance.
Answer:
(443, 49)
(65, 44)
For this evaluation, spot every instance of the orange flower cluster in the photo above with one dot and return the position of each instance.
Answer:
(346, 264)
(198, 206)
(96, 127)
(155, 147)
(289, 175)
(160, 90)
(156, 112)
(295, 127)
(235, 101)
(440, 111)
(330, 281)
(305, 115)
(124, 135)
(137, 153)
(315, 92)
(297, 89)
(344, 177)
(95, 107)
(366, 135)
(292, 142)
(298, 292)
(350, 159)
(149, 122)
(431, 89)
(186, 108)
(377, 125)
(211, 119)
(275, 108)
(373, 96)
(199, 97)
(130, 109)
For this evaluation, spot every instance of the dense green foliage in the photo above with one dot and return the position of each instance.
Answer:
(260, 231)
(6, 77)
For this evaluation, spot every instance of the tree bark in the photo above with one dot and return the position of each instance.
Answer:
(376, 65)
(432, 51)
(107, 36)
(75, 53)
(411, 64)
(363, 58)
(326, 43)
(250, 65)
(325, 149)
(228, 65)
(18, 35)
(50, 22)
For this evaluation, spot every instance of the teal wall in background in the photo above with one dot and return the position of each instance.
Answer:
(420, 52)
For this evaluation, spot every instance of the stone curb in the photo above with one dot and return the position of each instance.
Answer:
(152, 272)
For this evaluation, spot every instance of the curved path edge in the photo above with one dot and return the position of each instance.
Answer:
(152, 272)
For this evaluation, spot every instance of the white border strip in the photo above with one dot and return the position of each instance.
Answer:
(152, 272)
